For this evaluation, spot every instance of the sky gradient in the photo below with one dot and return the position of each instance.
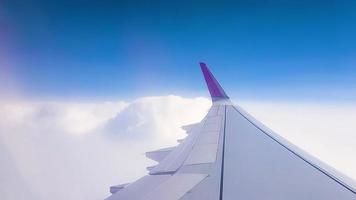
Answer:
(259, 50)
(84, 73)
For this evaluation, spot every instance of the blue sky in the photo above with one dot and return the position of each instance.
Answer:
(259, 50)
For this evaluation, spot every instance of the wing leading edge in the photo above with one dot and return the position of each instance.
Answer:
(230, 155)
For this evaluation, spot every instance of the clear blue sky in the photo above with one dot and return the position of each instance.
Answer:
(259, 50)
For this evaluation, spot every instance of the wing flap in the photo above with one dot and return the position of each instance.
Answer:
(159, 154)
(206, 148)
(172, 162)
(188, 128)
(138, 189)
(180, 140)
(116, 188)
(176, 186)
(154, 187)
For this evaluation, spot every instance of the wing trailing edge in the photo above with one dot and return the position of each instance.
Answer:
(159, 154)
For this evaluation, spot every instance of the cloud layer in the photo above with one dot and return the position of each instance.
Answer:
(61, 150)
(57, 150)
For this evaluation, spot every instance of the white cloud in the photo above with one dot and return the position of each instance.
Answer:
(57, 150)
(53, 150)
(160, 118)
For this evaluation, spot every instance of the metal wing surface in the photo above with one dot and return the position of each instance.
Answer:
(230, 155)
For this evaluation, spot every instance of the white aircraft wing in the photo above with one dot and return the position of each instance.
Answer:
(229, 155)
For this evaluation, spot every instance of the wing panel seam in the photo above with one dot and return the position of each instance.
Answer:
(223, 159)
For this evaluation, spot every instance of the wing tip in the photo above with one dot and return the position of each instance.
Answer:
(202, 64)
(215, 89)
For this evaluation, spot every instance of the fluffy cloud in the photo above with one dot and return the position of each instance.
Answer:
(157, 118)
(54, 150)
(58, 150)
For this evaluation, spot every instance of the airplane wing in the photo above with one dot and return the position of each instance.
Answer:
(230, 155)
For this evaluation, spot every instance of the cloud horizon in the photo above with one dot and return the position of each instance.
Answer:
(76, 150)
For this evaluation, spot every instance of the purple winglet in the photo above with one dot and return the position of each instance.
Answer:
(216, 91)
